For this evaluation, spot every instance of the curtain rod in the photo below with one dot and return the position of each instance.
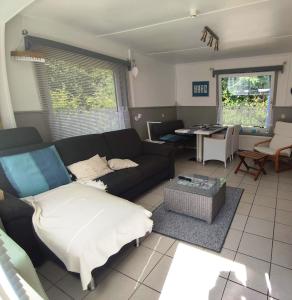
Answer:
(31, 40)
(275, 68)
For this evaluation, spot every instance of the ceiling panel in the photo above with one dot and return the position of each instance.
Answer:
(245, 27)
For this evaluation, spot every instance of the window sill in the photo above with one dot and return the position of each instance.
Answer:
(255, 132)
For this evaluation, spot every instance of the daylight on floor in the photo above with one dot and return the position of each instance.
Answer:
(145, 150)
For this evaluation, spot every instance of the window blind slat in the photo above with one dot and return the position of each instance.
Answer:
(81, 94)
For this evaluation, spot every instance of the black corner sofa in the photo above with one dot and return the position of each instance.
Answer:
(156, 164)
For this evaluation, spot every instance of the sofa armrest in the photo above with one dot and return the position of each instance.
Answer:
(263, 142)
(16, 216)
(12, 208)
(158, 149)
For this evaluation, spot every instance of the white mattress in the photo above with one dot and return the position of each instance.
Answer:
(84, 226)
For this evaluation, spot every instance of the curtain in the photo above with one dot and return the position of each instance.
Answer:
(82, 94)
(6, 110)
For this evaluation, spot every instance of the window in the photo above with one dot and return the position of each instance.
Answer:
(246, 99)
(82, 94)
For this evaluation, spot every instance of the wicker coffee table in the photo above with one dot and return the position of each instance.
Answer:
(199, 196)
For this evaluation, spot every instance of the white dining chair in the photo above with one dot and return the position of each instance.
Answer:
(235, 139)
(218, 148)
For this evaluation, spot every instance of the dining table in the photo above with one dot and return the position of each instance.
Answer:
(201, 131)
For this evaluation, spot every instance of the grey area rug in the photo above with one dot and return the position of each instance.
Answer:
(195, 231)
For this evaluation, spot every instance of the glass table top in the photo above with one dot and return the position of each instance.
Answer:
(197, 184)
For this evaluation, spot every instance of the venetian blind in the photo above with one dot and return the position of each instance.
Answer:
(81, 94)
(9, 280)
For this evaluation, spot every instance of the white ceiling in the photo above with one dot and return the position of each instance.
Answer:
(245, 27)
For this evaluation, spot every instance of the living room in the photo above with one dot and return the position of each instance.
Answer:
(152, 93)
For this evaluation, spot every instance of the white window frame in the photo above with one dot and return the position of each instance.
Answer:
(220, 104)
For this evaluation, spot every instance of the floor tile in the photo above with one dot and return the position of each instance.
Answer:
(281, 279)
(287, 195)
(46, 284)
(270, 178)
(263, 212)
(256, 246)
(282, 254)
(229, 256)
(284, 179)
(268, 184)
(259, 227)
(285, 187)
(250, 188)
(151, 199)
(158, 242)
(52, 271)
(138, 263)
(234, 291)
(71, 285)
(232, 239)
(216, 292)
(172, 250)
(145, 293)
(56, 294)
(250, 272)
(284, 204)
(243, 208)
(283, 233)
(239, 222)
(267, 192)
(115, 286)
(194, 272)
(265, 201)
(250, 180)
(156, 278)
(247, 197)
(283, 217)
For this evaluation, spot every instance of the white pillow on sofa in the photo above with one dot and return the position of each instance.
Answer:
(119, 164)
(90, 169)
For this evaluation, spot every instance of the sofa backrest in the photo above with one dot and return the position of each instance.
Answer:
(14, 141)
(19, 137)
(124, 143)
(82, 147)
(160, 129)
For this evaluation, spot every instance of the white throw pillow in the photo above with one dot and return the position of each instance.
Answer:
(119, 164)
(90, 169)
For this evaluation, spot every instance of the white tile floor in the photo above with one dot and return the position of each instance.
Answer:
(255, 262)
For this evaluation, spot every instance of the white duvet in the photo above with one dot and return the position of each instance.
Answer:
(84, 226)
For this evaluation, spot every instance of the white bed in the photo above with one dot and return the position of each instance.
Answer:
(84, 226)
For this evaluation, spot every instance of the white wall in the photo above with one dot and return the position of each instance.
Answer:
(153, 87)
(200, 71)
(155, 84)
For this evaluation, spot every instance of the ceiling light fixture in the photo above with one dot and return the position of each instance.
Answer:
(132, 65)
(212, 36)
(204, 36)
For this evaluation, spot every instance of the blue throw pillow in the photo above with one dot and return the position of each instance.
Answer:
(173, 138)
(35, 172)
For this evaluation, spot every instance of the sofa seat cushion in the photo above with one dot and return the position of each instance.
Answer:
(150, 165)
(265, 150)
(280, 141)
(120, 181)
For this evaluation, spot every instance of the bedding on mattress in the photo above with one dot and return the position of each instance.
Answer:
(84, 226)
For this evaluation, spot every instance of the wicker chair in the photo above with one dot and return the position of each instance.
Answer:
(279, 147)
